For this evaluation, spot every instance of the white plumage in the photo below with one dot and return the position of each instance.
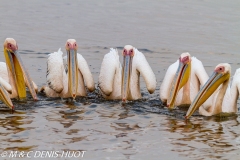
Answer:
(57, 78)
(224, 99)
(110, 78)
(6, 80)
(188, 92)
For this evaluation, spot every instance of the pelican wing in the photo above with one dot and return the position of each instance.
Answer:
(55, 71)
(4, 71)
(237, 78)
(4, 80)
(6, 85)
(167, 81)
(232, 94)
(199, 70)
(145, 70)
(108, 69)
(87, 75)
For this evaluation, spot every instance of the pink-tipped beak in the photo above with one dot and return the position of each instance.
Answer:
(12, 109)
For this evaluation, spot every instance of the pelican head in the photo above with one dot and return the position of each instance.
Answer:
(71, 47)
(128, 53)
(180, 79)
(220, 75)
(16, 67)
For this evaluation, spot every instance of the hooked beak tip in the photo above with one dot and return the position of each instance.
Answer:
(12, 109)
(169, 107)
(74, 96)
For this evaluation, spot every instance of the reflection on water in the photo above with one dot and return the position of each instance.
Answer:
(109, 128)
(206, 139)
(104, 129)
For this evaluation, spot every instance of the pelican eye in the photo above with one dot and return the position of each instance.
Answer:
(131, 52)
(9, 45)
(220, 68)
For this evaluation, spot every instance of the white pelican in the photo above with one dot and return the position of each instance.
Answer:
(68, 81)
(224, 98)
(182, 81)
(117, 82)
(13, 75)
